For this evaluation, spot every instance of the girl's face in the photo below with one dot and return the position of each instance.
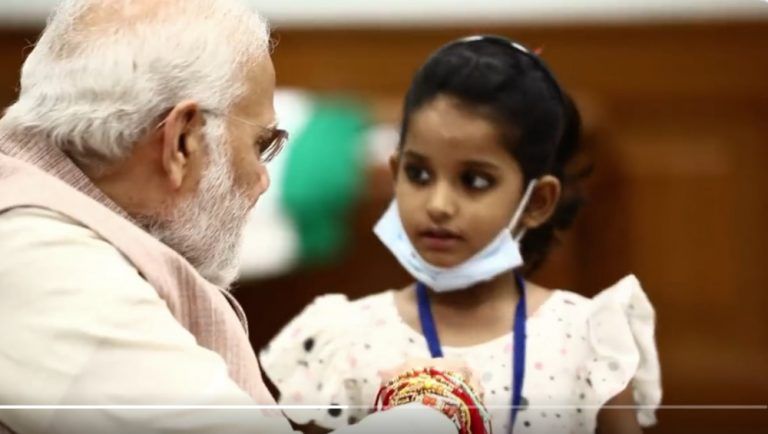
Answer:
(456, 185)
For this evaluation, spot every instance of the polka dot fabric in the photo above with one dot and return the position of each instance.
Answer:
(581, 352)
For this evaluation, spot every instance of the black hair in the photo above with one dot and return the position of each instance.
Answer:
(539, 123)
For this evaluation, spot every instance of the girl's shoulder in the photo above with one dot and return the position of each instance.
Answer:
(625, 298)
(310, 359)
(338, 310)
(333, 314)
(618, 326)
(327, 324)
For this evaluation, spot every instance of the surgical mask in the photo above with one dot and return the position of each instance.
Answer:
(500, 255)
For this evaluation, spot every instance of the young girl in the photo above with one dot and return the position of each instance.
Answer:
(480, 176)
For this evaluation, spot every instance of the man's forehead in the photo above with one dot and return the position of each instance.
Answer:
(258, 100)
(260, 72)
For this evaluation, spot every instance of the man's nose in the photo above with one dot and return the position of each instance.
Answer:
(262, 184)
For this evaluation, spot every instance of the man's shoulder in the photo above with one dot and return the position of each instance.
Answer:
(36, 241)
(28, 223)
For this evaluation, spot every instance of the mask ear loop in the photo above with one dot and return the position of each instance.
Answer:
(520, 209)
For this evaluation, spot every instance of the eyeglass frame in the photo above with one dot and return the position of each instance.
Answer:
(277, 140)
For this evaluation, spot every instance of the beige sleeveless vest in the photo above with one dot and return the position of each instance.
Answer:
(39, 175)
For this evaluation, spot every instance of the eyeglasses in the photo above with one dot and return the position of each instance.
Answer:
(269, 144)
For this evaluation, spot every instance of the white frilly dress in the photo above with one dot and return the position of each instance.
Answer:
(580, 353)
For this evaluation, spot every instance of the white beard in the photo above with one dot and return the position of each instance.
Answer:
(207, 228)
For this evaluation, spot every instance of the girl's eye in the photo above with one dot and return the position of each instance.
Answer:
(417, 174)
(476, 181)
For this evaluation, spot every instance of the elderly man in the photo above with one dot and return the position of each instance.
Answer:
(127, 168)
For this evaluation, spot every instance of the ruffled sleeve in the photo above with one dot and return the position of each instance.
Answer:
(621, 326)
(307, 362)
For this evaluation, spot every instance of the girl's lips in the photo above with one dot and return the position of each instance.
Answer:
(439, 239)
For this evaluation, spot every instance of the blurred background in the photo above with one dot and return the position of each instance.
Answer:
(674, 96)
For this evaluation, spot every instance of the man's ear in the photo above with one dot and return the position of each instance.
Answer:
(543, 202)
(180, 140)
(394, 164)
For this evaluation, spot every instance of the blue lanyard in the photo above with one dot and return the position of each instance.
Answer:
(518, 340)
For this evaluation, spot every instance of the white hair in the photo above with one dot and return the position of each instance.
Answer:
(105, 71)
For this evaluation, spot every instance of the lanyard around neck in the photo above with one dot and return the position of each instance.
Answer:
(518, 339)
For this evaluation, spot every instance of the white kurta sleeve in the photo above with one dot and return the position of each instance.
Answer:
(80, 326)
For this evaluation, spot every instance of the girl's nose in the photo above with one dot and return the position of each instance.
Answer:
(441, 205)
